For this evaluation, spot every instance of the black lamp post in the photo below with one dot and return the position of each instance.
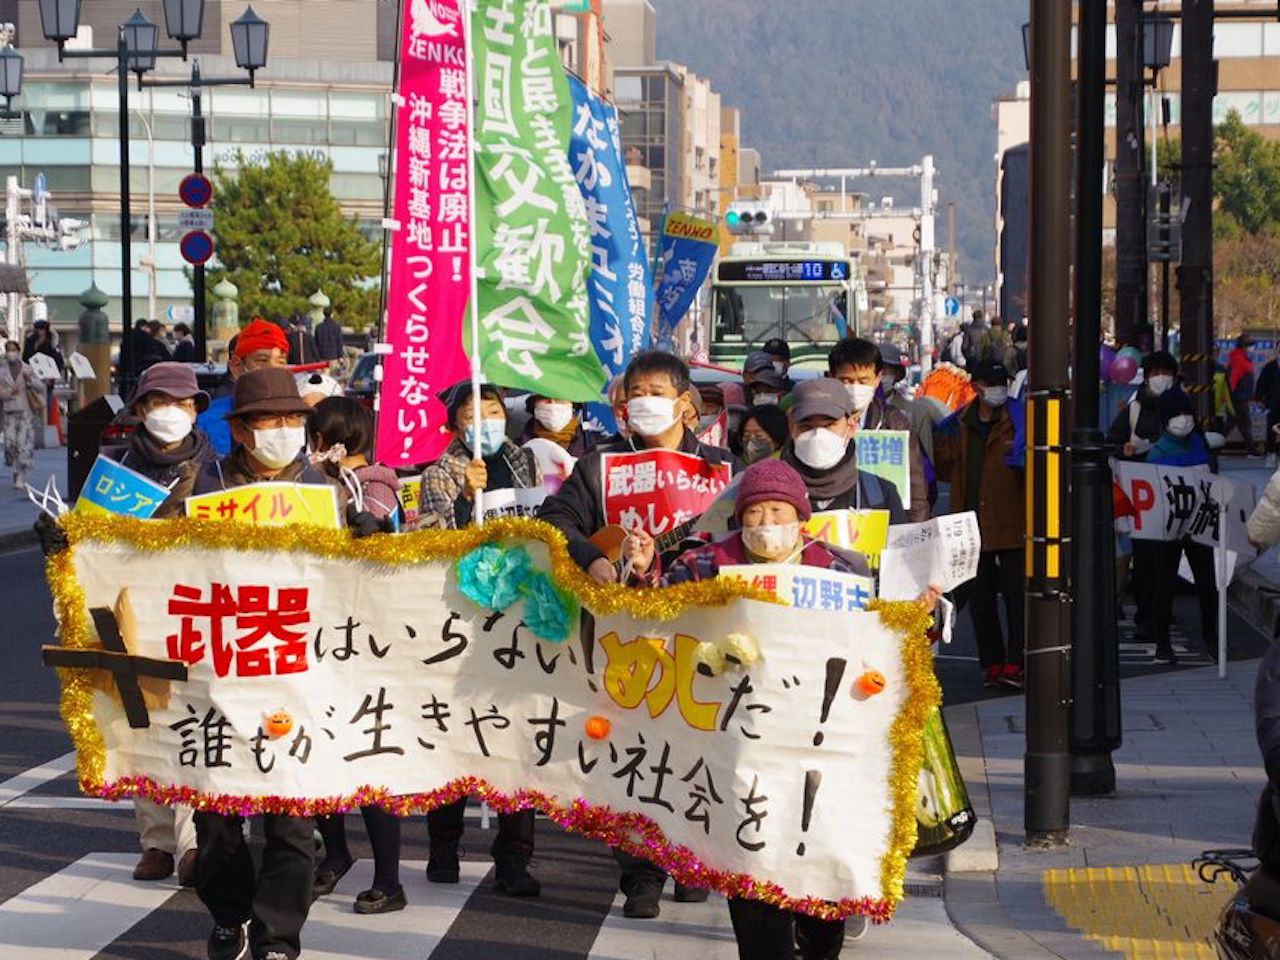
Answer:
(135, 52)
(10, 75)
(249, 37)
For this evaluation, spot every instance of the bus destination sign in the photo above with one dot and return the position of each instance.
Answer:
(783, 271)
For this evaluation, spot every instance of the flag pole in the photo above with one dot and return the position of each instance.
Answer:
(468, 8)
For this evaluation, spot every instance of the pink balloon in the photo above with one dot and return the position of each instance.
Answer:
(1124, 369)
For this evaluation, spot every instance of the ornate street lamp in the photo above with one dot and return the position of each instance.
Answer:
(10, 75)
(249, 35)
(184, 20)
(60, 20)
(140, 36)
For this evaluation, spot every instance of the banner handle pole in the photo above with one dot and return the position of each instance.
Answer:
(468, 7)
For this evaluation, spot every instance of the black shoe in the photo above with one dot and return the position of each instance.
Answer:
(229, 943)
(513, 879)
(1165, 654)
(327, 878)
(376, 901)
(442, 863)
(644, 902)
(691, 894)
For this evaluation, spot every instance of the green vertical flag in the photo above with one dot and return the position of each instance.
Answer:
(533, 242)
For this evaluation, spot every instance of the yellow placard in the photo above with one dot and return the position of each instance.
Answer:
(411, 498)
(270, 505)
(866, 531)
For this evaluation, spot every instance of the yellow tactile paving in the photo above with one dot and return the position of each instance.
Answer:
(1158, 912)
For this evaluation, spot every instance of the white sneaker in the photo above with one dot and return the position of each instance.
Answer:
(19, 481)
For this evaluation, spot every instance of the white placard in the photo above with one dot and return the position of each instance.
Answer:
(943, 551)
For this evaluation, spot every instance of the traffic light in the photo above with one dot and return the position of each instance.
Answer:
(744, 220)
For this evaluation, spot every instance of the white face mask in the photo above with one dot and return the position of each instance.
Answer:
(651, 416)
(821, 449)
(1181, 425)
(278, 447)
(779, 367)
(13, 356)
(995, 396)
(861, 395)
(766, 399)
(772, 541)
(1159, 384)
(553, 416)
(168, 424)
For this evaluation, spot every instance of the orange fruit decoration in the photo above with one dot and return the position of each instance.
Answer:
(279, 723)
(870, 683)
(597, 727)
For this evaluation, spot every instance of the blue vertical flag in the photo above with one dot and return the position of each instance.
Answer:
(619, 285)
(689, 246)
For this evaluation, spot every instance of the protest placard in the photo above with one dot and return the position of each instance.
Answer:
(806, 588)
(865, 531)
(512, 503)
(411, 499)
(659, 489)
(885, 454)
(316, 675)
(270, 505)
(943, 552)
(114, 488)
(1172, 502)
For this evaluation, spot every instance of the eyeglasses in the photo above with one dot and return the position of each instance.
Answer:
(269, 422)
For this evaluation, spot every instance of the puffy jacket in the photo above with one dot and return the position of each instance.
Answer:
(1145, 430)
(1002, 499)
(1240, 371)
(381, 488)
(1264, 522)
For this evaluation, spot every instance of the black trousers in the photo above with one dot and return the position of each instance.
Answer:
(277, 901)
(1200, 559)
(515, 830)
(765, 932)
(1000, 572)
(1142, 581)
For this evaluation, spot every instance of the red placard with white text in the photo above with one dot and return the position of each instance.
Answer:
(659, 489)
(430, 275)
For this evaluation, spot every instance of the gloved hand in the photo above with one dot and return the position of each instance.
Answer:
(53, 540)
(364, 524)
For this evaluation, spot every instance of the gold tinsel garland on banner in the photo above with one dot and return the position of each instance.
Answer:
(631, 831)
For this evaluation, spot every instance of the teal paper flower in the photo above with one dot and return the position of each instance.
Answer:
(548, 612)
(516, 569)
(491, 576)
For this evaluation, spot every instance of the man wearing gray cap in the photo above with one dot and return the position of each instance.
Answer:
(821, 448)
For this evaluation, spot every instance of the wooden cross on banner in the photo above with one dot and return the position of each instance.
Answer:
(124, 668)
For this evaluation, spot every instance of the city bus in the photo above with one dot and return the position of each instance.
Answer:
(809, 294)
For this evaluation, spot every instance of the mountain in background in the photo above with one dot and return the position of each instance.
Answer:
(838, 83)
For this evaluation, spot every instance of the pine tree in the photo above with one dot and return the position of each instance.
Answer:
(281, 236)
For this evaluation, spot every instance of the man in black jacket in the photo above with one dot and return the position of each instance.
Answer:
(659, 394)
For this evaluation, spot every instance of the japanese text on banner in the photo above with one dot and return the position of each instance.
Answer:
(533, 240)
(619, 284)
(659, 489)
(886, 454)
(689, 247)
(270, 505)
(430, 252)
(114, 488)
(941, 552)
(806, 588)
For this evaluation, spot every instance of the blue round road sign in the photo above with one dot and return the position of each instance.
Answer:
(196, 247)
(195, 190)
(952, 305)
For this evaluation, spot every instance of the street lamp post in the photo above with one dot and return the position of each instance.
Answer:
(136, 52)
(250, 35)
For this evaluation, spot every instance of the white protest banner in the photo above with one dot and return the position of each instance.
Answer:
(513, 503)
(1141, 484)
(943, 551)
(885, 454)
(806, 588)
(312, 673)
(1173, 502)
(44, 366)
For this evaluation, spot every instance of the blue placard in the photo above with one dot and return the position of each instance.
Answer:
(114, 488)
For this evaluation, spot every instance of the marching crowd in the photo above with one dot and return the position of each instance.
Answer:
(789, 438)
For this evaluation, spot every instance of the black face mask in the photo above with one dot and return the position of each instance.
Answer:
(758, 449)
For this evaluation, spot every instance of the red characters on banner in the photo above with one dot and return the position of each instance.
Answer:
(430, 249)
(202, 629)
(659, 489)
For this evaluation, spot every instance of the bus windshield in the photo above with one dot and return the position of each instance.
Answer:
(797, 314)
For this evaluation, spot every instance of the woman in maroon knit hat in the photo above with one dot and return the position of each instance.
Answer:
(772, 506)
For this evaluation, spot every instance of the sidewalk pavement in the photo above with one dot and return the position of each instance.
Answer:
(17, 513)
(1188, 774)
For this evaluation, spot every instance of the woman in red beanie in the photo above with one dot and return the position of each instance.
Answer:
(772, 506)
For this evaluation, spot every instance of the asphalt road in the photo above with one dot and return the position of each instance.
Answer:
(53, 844)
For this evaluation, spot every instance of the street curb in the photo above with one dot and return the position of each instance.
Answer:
(972, 899)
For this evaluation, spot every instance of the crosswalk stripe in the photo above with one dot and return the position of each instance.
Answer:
(24, 782)
(684, 931)
(79, 910)
(334, 931)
